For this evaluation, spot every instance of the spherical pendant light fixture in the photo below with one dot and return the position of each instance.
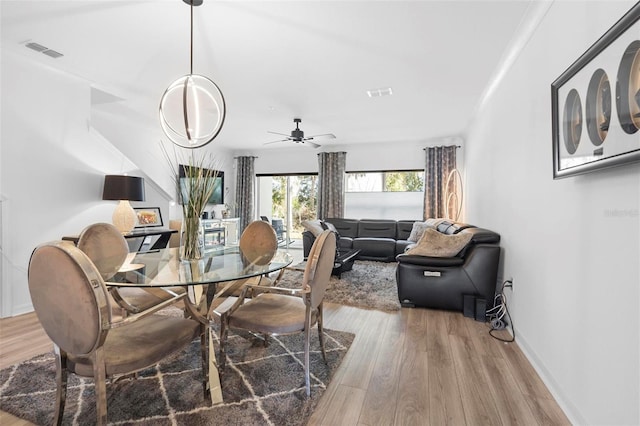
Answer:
(192, 109)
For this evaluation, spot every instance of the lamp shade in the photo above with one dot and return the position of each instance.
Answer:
(117, 187)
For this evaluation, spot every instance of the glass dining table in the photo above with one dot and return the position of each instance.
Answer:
(226, 269)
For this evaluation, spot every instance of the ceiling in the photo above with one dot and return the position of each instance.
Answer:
(276, 60)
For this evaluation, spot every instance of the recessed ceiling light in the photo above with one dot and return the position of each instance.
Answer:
(375, 93)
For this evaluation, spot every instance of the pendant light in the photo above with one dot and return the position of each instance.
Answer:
(192, 109)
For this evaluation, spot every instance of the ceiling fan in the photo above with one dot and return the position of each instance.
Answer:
(297, 136)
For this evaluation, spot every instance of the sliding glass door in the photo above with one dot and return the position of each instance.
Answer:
(287, 200)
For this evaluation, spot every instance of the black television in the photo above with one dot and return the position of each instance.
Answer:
(217, 197)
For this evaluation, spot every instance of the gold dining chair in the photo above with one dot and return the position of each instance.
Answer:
(276, 310)
(104, 244)
(258, 244)
(71, 302)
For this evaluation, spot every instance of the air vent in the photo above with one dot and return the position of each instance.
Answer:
(43, 49)
(376, 93)
(35, 46)
(52, 53)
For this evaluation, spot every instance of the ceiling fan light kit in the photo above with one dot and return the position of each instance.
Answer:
(297, 136)
(192, 109)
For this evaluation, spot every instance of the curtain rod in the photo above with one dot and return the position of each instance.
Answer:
(245, 156)
(457, 146)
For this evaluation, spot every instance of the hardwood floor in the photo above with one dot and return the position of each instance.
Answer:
(413, 367)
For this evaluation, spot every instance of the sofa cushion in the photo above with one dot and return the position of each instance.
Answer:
(345, 243)
(402, 245)
(383, 248)
(346, 227)
(403, 229)
(435, 244)
(369, 228)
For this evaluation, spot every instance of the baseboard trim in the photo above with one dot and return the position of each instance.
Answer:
(547, 378)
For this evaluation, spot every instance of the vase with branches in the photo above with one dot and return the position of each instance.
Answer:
(195, 184)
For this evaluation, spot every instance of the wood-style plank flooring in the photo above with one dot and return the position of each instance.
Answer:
(413, 367)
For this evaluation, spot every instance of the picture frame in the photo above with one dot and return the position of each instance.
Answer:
(595, 103)
(147, 217)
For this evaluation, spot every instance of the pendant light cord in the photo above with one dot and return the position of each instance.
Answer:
(191, 46)
(185, 106)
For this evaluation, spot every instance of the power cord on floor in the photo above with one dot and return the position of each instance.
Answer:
(499, 316)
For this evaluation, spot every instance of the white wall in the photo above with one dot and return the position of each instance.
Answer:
(571, 245)
(56, 149)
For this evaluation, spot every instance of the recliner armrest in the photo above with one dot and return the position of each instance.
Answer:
(429, 261)
(307, 241)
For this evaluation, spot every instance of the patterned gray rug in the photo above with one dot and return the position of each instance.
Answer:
(261, 386)
(369, 285)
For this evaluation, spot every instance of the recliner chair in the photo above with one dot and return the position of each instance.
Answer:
(445, 282)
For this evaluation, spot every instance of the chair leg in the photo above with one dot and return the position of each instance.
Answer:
(100, 383)
(61, 383)
(321, 333)
(224, 332)
(204, 353)
(307, 333)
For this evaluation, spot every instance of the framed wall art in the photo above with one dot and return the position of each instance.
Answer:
(595, 103)
(147, 217)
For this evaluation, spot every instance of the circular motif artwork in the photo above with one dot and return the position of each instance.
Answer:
(572, 121)
(598, 107)
(628, 89)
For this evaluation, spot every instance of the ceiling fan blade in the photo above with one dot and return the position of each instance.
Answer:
(314, 145)
(269, 143)
(323, 136)
(281, 134)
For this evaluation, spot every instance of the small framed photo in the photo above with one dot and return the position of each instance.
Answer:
(147, 217)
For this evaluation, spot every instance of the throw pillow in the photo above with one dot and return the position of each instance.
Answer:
(330, 226)
(434, 222)
(313, 226)
(417, 231)
(435, 244)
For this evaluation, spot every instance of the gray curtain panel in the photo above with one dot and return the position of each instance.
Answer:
(440, 161)
(331, 169)
(245, 191)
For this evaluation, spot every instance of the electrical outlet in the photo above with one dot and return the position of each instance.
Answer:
(508, 283)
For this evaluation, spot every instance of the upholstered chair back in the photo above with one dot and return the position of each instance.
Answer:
(105, 246)
(319, 266)
(69, 297)
(259, 242)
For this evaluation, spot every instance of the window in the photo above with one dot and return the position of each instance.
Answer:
(386, 181)
(387, 194)
(290, 199)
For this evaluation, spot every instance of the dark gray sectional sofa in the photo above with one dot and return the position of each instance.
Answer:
(377, 239)
(465, 282)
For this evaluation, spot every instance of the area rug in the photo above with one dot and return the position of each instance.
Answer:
(261, 386)
(369, 285)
